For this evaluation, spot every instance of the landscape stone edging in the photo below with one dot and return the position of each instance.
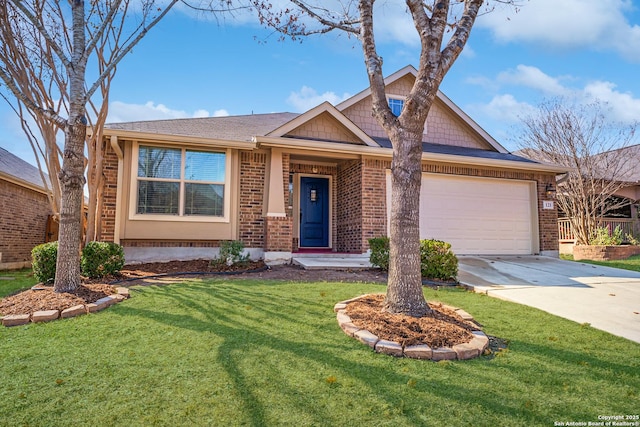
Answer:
(77, 310)
(465, 351)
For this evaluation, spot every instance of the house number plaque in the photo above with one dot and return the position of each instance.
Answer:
(547, 204)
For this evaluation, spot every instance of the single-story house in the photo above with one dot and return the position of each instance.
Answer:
(318, 181)
(24, 211)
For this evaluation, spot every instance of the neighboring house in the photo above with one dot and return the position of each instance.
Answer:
(317, 182)
(24, 211)
(628, 216)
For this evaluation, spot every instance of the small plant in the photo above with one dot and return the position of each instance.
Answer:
(379, 252)
(632, 240)
(43, 262)
(100, 259)
(231, 253)
(437, 261)
(603, 236)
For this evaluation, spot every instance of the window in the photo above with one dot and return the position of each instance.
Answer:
(180, 182)
(396, 105)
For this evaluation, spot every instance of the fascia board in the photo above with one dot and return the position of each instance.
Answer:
(22, 183)
(331, 147)
(178, 139)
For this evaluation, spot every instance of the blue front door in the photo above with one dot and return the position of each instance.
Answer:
(314, 212)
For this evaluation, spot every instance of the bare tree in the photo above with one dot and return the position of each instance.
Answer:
(66, 35)
(443, 27)
(581, 138)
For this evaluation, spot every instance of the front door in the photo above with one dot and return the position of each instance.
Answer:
(314, 212)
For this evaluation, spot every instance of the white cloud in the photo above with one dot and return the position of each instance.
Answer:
(623, 106)
(505, 108)
(534, 78)
(123, 112)
(307, 98)
(568, 24)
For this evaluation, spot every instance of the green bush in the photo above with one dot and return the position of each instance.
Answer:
(231, 253)
(379, 256)
(101, 259)
(43, 262)
(437, 261)
(603, 236)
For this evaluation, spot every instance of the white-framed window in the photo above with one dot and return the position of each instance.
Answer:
(396, 105)
(180, 183)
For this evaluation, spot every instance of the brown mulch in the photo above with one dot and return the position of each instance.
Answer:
(444, 328)
(43, 298)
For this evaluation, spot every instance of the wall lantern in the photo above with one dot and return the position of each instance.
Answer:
(550, 191)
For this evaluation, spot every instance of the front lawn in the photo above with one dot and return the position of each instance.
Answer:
(266, 353)
(12, 281)
(631, 263)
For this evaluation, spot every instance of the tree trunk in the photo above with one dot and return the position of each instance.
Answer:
(72, 174)
(72, 182)
(404, 286)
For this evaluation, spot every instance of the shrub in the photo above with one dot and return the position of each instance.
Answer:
(101, 259)
(603, 236)
(379, 256)
(231, 252)
(43, 261)
(437, 261)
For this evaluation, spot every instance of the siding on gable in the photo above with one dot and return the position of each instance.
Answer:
(325, 127)
(442, 127)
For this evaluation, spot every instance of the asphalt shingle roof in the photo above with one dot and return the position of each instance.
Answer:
(18, 168)
(232, 128)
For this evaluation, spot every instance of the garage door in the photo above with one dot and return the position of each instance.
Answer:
(478, 216)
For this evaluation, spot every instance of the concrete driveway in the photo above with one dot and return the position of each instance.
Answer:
(607, 298)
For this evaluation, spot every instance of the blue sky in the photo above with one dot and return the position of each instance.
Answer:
(188, 66)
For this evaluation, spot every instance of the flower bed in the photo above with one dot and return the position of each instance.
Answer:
(604, 253)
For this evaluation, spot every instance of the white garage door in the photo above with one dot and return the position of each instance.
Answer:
(478, 216)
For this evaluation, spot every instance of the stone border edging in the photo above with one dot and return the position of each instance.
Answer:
(470, 350)
(78, 310)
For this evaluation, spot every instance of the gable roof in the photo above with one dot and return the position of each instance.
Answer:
(410, 70)
(325, 107)
(16, 170)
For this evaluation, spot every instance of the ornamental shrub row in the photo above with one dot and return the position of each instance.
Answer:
(98, 259)
(437, 261)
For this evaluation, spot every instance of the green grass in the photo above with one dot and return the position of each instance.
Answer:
(12, 281)
(631, 263)
(265, 353)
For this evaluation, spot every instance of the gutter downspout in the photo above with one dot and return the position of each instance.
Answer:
(116, 148)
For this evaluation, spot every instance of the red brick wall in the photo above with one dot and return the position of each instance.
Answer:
(278, 234)
(349, 208)
(604, 253)
(23, 221)
(108, 216)
(253, 167)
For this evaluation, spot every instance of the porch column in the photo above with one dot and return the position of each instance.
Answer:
(278, 227)
(274, 189)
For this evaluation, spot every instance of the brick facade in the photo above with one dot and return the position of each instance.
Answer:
(253, 167)
(108, 216)
(23, 222)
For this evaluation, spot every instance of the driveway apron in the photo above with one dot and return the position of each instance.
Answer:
(606, 298)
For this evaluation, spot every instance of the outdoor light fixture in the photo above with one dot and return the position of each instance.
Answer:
(551, 192)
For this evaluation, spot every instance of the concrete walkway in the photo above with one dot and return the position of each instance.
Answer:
(332, 261)
(607, 298)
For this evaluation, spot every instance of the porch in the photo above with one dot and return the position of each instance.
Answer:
(566, 238)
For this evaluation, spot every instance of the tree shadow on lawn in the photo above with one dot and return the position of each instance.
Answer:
(299, 335)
